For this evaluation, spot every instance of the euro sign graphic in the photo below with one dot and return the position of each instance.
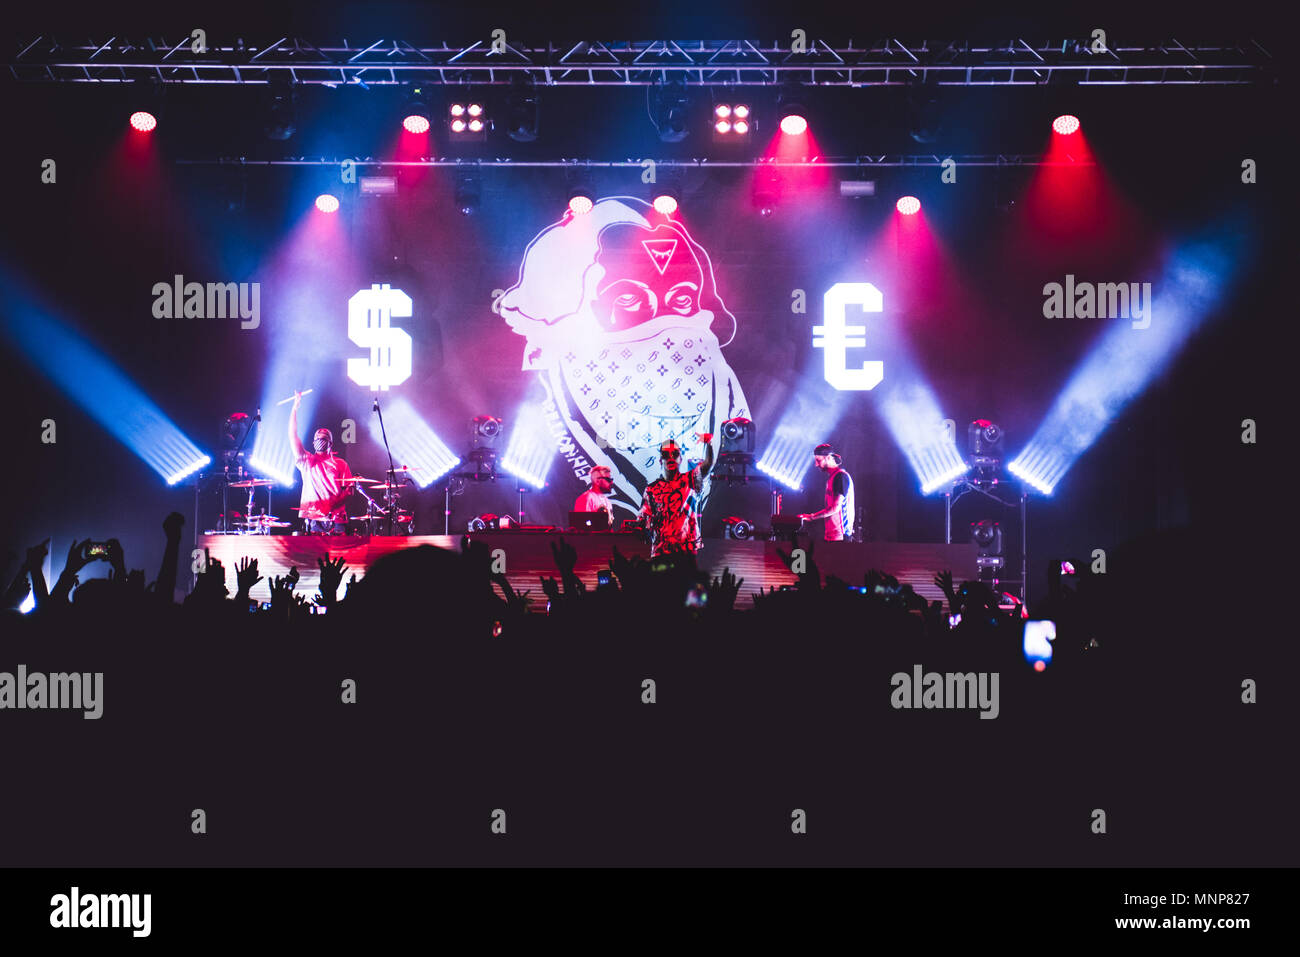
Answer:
(836, 336)
(370, 312)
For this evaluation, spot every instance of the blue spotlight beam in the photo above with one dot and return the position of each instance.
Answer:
(1127, 357)
(912, 414)
(102, 390)
(809, 418)
(414, 443)
(531, 448)
(789, 454)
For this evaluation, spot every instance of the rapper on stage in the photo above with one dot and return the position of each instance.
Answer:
(670, 505)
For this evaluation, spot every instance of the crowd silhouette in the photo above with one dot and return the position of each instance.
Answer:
(458, 593)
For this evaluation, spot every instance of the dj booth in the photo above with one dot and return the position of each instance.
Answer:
(528, 557)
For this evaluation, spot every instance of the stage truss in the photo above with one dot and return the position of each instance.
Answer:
(732, 63)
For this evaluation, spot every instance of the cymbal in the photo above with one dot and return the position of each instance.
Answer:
(382, 516)
(249, 483)
(376, 488)
(357, 478)
(407, 468)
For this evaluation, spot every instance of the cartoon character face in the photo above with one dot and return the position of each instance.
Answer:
(622, 318)
(648, 273)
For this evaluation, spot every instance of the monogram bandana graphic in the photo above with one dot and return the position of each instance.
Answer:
(622, 318)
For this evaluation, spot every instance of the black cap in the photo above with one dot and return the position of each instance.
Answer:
(825, 449)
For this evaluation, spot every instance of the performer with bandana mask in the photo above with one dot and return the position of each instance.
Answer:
(323, 472)
(670, 506)
(839, 495)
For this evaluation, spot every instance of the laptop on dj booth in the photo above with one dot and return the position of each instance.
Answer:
(589, 521)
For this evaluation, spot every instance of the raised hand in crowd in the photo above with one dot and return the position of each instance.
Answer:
(116, 560)
(246, 577)
(516, 603)
(210, 589)
(723, 592)
(76, 561)
(943, 581)
(282, 592)
(551, 588)
(34, 566)
(18, 589)
(627, 572)
(166, 586)
(331, 576)
(566, 556)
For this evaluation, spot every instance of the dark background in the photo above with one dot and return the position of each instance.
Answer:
(251, 728)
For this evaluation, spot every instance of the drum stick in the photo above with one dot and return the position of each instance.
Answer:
(290, 399)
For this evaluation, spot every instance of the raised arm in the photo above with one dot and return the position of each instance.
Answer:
(35, 566)
(707, 439)
(295, 442)
(165, 589)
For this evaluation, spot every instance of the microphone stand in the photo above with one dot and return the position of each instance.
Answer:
(225, 476)
(372, 508)
(392, 471)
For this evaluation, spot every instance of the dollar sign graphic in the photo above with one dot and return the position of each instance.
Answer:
(369, 325)
(836, 336)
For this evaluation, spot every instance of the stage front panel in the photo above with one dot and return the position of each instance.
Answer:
(528, 557)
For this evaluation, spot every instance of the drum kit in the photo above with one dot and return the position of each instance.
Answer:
(250, 523)
(384, 514)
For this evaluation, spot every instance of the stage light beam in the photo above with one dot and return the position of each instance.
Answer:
(101, 389)
(1126, 358)
(531, 447)
(808, 418)
(414, 443)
